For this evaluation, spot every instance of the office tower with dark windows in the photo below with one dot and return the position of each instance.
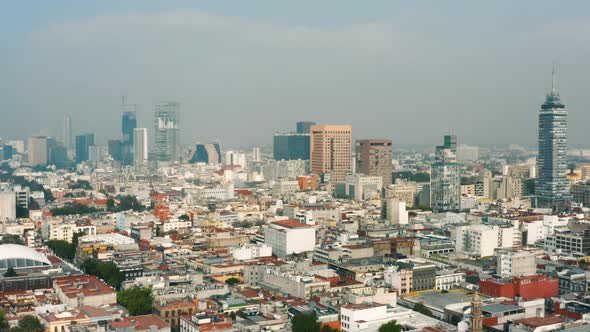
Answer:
(291, 146)
(67, 133)
(140, 145)
(128, 124)
(38, 150)
(206, 153)
(552, 188)
(83, 142)
(331, 151)
(167, 132)
(304, 127)
(374, 157)
(115, 149)
(445, 177)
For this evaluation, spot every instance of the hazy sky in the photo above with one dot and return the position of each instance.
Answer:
(410, 71)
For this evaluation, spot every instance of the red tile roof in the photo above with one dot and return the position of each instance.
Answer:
(290, 223)
(87, 285)
(541, 321)
(139, 322)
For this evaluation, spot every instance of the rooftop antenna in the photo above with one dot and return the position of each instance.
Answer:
(553, 78)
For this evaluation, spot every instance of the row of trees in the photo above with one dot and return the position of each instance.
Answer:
(73, 208)
(107, 271)
(65, 249)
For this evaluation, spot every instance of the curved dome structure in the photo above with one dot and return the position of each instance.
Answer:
(20, 257)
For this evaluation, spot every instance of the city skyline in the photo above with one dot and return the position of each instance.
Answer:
(469, 86)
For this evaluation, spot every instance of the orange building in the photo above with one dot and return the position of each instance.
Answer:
(171, 311)
(308, 182)
(331, 150)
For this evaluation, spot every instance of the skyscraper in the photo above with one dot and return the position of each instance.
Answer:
(166, 133)
(552, 186)
(445, 177)
(114, 149)
(331, 151)
(140, 145)
(206, 153)
(291, 146)
(83, 142)
(128, 124)
(67, 132)
(304, 127)
(38, 150)
(374, 157)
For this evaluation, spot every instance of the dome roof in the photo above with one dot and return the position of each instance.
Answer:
(11, 251)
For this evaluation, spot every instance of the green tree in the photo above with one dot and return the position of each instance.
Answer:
(29, 324)
(421, 308)
(107, 271)
(391, 326)
(124, 203)
(81, 184)
(138, 301)
(3, 321)
(305, 323)
(62, 249)
(73, 208)
(232, 315)
(75, 238)
(10, 273)
(232, 281)
(12, 239)
(184, 217)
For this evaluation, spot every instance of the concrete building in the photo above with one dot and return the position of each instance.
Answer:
(7, 205)
(140, 146)
(477, 240)
(396, 212)
(206, 153)
(448, 279)
(288, 237)
(515, 263)
(374, 157)
(172, 311)
(405, 190)
(245, 252)
(83, 143)
(581, 193)
(360, 187)
(81, 291)
(331, 151)
(38, 150)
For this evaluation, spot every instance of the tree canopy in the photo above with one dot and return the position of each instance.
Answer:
(421, 308)
(12, 239)
(107, 271)
(81, 184)
(309, 323)
(124, 203)
(232, 281)
(28, 323)
(73, 208)
(62, 249)
(138, 301)
(391, 326)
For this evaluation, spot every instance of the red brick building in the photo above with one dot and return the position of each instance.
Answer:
(527, 288)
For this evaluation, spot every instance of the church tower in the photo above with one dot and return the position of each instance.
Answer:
(476, 317)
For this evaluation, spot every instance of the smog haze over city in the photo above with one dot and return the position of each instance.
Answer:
(406, 70)
(294, 166)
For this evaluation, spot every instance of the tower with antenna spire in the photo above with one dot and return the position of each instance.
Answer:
(552, 187)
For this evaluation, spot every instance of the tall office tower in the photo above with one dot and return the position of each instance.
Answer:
(57, 154)
(38, 150)
(374, 157)
(166, 133)
(115, 149)
(291, 146)
(552, 186)
(206, 153)
(331, 151)
(128, 124)
(83, 142)
(304, 127)
(140, 145)
(445, 177)
(67, 133)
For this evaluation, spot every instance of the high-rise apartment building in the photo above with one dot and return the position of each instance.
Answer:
(331, 151)
(67, 133)
(140, 145)
(83, 143)
(128, 125)
(374, 157)
(167, 132)
(552, 186)
(38, 150)
(445, 177)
